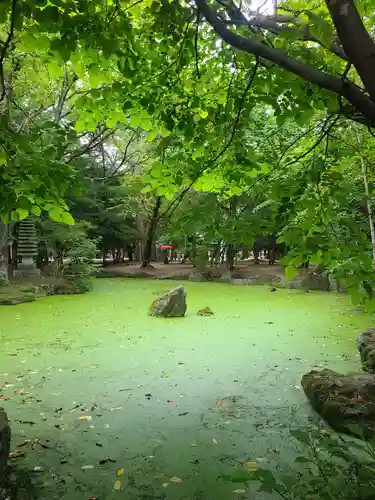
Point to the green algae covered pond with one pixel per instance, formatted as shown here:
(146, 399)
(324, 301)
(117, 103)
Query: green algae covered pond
(107, 403)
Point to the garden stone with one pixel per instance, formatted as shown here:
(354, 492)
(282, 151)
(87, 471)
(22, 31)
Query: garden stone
(366, 348)
(346, 402)
(5, 435)
(171, 304)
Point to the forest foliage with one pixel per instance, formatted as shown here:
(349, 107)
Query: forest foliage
(215, 120)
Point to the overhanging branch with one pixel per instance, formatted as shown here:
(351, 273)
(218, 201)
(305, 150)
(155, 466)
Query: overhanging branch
(354, 94)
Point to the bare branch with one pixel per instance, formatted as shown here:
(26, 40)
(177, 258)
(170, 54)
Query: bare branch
(67, 85)
(278, 24)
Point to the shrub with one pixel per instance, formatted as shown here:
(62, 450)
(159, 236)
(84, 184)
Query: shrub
(77, 272)
(333, 468)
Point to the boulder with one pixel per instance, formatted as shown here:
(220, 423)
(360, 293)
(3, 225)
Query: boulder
(366, 348)
(171, 304)
(5, 435)
(346, 402)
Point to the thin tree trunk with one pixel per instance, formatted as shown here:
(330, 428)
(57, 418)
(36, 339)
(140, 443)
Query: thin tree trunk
(231, 252)
(4, 231)
(230, 256)
(151, 233)
(368, 201)
(369, 208)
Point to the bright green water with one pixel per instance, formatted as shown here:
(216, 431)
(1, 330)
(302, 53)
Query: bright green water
(102, 351)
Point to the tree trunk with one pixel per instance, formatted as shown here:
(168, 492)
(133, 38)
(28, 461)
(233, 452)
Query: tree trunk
(368, 200)
(215, 257)
(369, 209)
(151, 233)
(350, 27)
(4, 231)
(230, 256)
(231, 252)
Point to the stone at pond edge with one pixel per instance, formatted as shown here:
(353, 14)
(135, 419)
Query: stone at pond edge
(171, 304)
(346, 402)
(366, 348)
(206, 311)
(5, 436)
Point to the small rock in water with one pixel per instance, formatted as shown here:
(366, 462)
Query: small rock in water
(206, 311)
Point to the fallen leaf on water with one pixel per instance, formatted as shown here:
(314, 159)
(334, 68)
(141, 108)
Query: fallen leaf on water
(165, 485)
(24, 443)
(117, 485)
(164, 375)
(116, 408)
(239, 491)
(17, 454)
(214, 441)
(44, 444)
(176, 480)
(85, 417)
(224, 404)
(120, 471)
(105, 460)
(85, 467)
(13, 354)
(93, 366)
(29, 422)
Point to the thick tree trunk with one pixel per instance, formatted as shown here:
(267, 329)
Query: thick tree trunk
(151, 233)
(355, 40)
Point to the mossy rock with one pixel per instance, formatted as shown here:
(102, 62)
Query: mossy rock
(172, 304)
(366, 348)
(346, 402)
(206, 311)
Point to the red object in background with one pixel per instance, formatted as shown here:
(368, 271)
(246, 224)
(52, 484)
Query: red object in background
(165, 246)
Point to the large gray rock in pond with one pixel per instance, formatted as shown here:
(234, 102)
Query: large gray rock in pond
(366, 348)
(5, 435)
(172, 304)
(346, 402)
